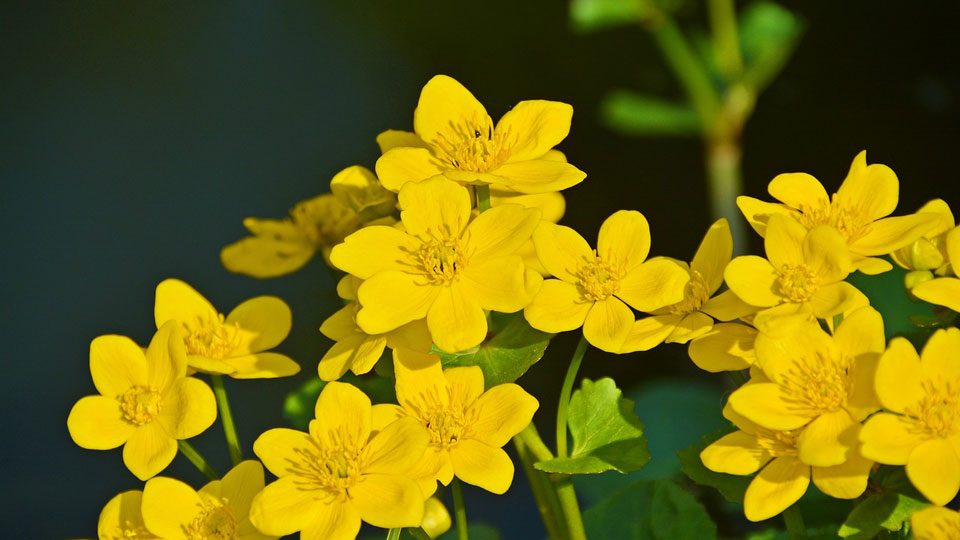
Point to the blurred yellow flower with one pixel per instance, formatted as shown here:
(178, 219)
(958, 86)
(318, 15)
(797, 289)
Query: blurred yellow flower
(444, 266)
(922, 429)
(120, 519)
(858, 211)
(467, 425)
(220, 510)
(146, 402)
(233, 345)
(338, 474)
(935, 523)
(944, 291)
(436, 518)
(454, 136)
(595, 287)
(929, 251)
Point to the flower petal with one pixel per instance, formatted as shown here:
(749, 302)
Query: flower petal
(551, 204)
(391, 247)
(345, 353)
(828, 439)
(266, 256)
(433, 207)
(502, 412)
(608, 324)
(833, 299)
(624, 238)
(714, 254)
(558, 307)
(727, 347)
(168, 506)
(654, 284)
(930, 522)
(175, 300)
(392, 299)
(116, 364)
(826, 254)
(501, 230)
(384, 414)
(189, 408)
(396, 448)
(342, 324)
(456, 319)
(648, 332)
(263, 365)
(561, 250)
(264, 323)
(766, 404)
(888, 438)
(537, 126)
(938, 361)
(934, 469)
(96, 423)
(280, 449)
(799, 190)
(166, 357)
(940, 291)
(539, 175)
(285, 507)
(898, 376)
(727, 306)
(758, 212)
(388, 500)
(691, 326)
(845, 481)
(417, 373)
(870, 266)
(466, 381)
(414, 335)
(149, 450)
(873, 190)
(754, 280)
(735, 453)
(240, 485)
(446, 110)
(498, 284)
(481, 465)
(343, 407)
(892, 233)
(336, 521)
(778, 485)
(784, 241)
(861, 332)
(120, 512)
(395, 138)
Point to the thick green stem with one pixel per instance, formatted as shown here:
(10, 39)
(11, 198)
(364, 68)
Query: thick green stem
(571, 508)
(198, 460)
(725, 185)
(419, 533)
(543, 491)
(726, 42)
(226, 417)
(459, 510)
(688, 69)
(483, 197)
(393, 534)
(565, 392)
(794, 520)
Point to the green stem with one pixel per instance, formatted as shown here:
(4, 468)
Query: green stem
(737, 378)
(565, 392)
(543, 492)
(198, 460)
(794, 521)
(418, 533)
(726, 43)
(725, 185)
(226, 417)
(393, 534)
(531, 439)
(459, 510)
(483, 197)
(571, 509)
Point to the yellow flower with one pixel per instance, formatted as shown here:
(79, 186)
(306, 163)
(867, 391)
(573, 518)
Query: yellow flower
(922, 429)
(444, 266)
(944, 291)
(220, 510)
(355, 349)
(783, 477)
(120, 519)
(804, 270)
(858, 210)
(467, 425)
(233, 345)
(595, 287)
(935, 523)
(339, 474)
(929, 251)
(146, 402)
(436, 518)
(458, 139)
(726, 347)
(820, 382)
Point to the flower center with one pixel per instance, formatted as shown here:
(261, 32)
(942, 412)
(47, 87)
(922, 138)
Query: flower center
(333, 464)
(848, 220)
(140, 404)
(938, 411)
(600, 278)
(442, 257)
(475, 145)
(129, 531)
(694, 295)
(798, 283)
(324, 220)
(211, 337)
(448, 418)
(819, 384)
(778, 443)
(215, 522)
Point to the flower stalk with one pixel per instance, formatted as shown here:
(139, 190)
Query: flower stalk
(198, 460)
(565, 392)
(459, 510)
(226, 417)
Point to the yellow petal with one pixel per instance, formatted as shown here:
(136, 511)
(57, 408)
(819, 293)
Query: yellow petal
(284, 507)
(934, 469)
(782, 352)
(446, 109)
(727, 306)
(735, 453)
(888, 438)
(608, 324)
(467, 381)
(754, 280)
(648, 332)
(558, 307)
(264, 323)
(456, 319)
(396, 448)
(828, 439)
(209, 365)
(758, 212)
(861, 332)
(344, 407)
(624, 238)
(433, 207)
(498, 284)
(799, 190)
(539, 175)
(341, 325)
(166, 357)
(784, 242)
(175, 300)
(714, 253)
(96, 423)
(388, 500)
(727, 347)
(931, 522)
(267, 256)
(898, 376)
(169, 506)
(347, 287)
(941, 291)
(149, 450)
(561, 250)
(384, 414)
(833, 299)
(953, 247)
(436, 518)
(189, 408)
(501, 230)
(862, 398)
(767, 405)
(691, 326)
(826, 254)
(373, 249)
(845, 481)
(481, 465)
(502, 412)
(552, 205)
(391, 299)
(335, 521)
(870, 266)
(263, 365)
(657, 283)
(893, 233)
(240, 485)
(938, 361)
(280, 449)
(119, 513)
(395, 138)
(399, 166)
(435, 466)
(414, 335)
(358, 188)
(116, 364)
(348, 352)
(537, 126)
(873, 190)
(778, 485)
(417, 373)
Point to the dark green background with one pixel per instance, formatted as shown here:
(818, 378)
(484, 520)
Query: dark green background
(136, 136)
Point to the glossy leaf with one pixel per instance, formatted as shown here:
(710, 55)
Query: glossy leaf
(732, 487)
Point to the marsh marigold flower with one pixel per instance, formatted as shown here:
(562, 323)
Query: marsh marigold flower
(929, 252)
(444, 266)
(120, 519)
(596, 288)
(858, 211)
(455, 137)
(233, 345)
(922, 429)
(146, 401)
(340, 472)
(944, 291)
(467, 425)
(935, 523)
(220, 510)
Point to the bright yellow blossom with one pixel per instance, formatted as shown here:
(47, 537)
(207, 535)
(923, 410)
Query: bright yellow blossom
(146, 401)
(120, 519)
(220, 510)
(234, 345)
(444, 266)
(928, 252)
(922, 429)
(355, 349)
(820, 382)
(858, 211)
(804, 270)
(468, 426)
(944, 291)
(935, 523)
(458, 139)
(339, 474)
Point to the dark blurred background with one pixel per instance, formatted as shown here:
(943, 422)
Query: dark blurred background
(137, 136)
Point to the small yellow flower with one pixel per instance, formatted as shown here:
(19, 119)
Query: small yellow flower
(467, 425)
(444, 266)
(120, 519)
(595, 287)
(220, 510)
(436, 518)
(944, 291)
(146, 401)
(340, 472)
(804, 270)
(355, 349)
(935, 523)
(922, 429)
(233, 345)
(783, 477)
(820, 382)
(458, 139)
(928, 252)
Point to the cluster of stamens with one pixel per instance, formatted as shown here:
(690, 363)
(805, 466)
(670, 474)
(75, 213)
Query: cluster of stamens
(938, 411)
(797, 283)
(778, 443)
(442, 256)
(849, 221)
(333, 464)
(211, 337)
(819, 384)
(447, 417)
(599, 278)
(140, 404)
(215, 522)
(475, 146)
(694, 295)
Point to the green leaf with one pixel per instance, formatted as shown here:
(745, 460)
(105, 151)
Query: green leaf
(607, 435)
(732, 487)
(503, 358)
(477, 531)
(591, 15)
(299, 405)
(635, 114)
(769, 33)
(658, 510)
(886, 510)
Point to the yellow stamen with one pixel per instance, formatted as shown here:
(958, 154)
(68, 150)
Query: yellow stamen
(850, 221)
(475, 146)
(937, 414)
(129, 531)
(797, 283)
(599, 279)
(210, 337)
(140, 404)
(332, 463)
(448, 417)
(215, 522)
(443, 256)
(694, 295)
(819, 384)
(778, 443)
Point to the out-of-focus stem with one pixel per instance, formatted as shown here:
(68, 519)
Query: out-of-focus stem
(726, 41)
